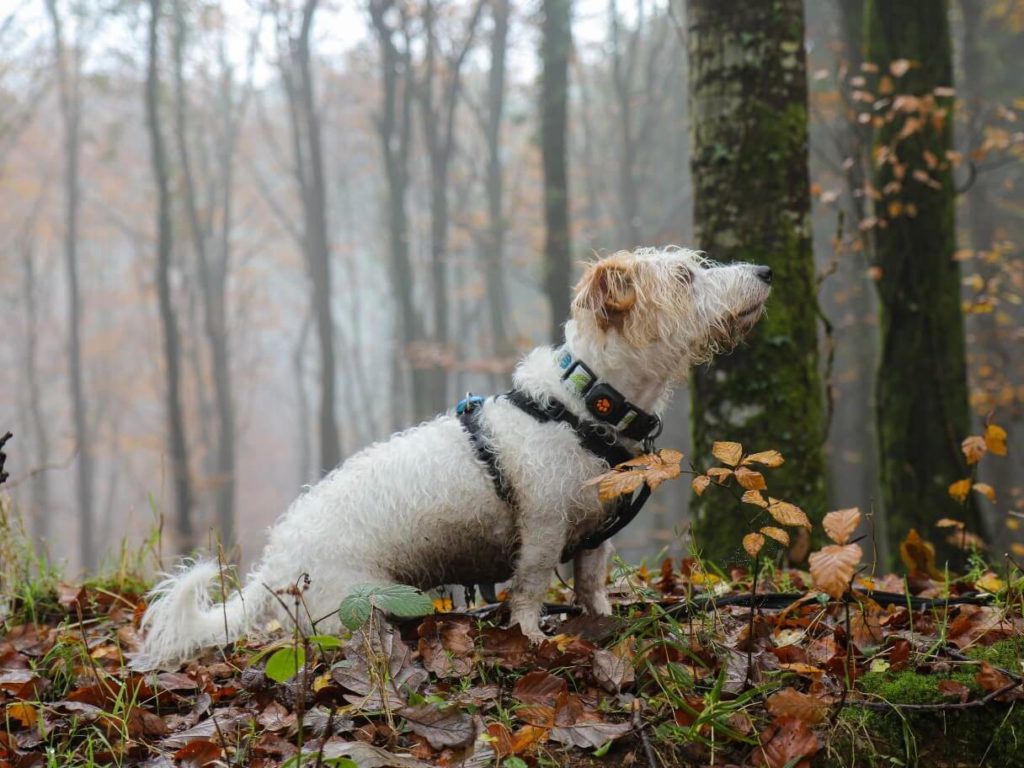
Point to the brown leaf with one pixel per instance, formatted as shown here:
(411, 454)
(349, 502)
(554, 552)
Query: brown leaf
(919, 556)
(789, 702)
(539, 687)
(974, 447)
(777, 534)
(442, 727)
(612, 671)
(841, 524)
(753, 542)
(948, 522)
(526, 737)
(960, 489)
(589, 734)
(700, 484)
(446, 645)
(995, 439)
(198, 754)
(955, 689)
(985, 490)
(719, 474)
(727, 453)
(754, 497)
(749, 479)
(500, 739)
(22, 712)
(832, 567)
(990, 679)
(787, 514)
(616, 483)
(787, 743)
(770, 459)
(899, 67)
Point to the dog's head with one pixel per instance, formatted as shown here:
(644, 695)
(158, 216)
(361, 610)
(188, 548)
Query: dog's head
(673, 303)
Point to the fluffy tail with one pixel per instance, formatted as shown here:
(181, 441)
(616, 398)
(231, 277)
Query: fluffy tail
(181, 620)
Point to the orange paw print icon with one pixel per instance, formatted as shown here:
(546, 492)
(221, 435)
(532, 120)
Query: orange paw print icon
(604, 405)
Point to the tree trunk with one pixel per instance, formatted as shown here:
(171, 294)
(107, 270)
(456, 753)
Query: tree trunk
(69, 88)
(394, 128)
(213, 281)
(921, 386)
(748, 96)
(494, 257)
(556, 45)
(177, 446)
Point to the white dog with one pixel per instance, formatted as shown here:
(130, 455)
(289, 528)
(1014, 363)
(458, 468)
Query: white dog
(500, 494)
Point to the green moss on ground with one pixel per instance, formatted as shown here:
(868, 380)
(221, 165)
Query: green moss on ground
(991, 735)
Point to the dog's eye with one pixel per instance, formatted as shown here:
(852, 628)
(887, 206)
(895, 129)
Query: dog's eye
(683, 274)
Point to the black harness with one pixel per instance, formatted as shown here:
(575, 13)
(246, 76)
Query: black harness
(603, 401)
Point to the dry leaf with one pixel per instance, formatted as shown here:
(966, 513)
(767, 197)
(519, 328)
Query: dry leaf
(789, 702)
(749, 479)
(727, 453)
(753, 542)
(899, 67)
(985, 490)
(995, 439)
(919, 556)
(650, 468)
(841, 524)
(776, 533)
(615, 484)
(700, 484)
(719, 474)
(787, 514)
(832, 567)
(989, 582)
(948, 522)
(755, 498)
(770, 459)
(974, 448)
(960, 489)
(786, 743)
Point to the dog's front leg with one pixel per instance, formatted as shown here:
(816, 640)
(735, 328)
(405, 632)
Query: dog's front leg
(590, 569)
(540, 547)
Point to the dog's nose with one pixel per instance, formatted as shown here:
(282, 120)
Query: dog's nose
(764, 274)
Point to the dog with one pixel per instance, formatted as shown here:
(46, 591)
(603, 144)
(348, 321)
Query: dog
(500, 494)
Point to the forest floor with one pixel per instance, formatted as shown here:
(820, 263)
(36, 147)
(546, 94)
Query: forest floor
(921, 671)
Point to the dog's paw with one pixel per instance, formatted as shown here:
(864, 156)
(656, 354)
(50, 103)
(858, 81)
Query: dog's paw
(597, 605)
(535, 636)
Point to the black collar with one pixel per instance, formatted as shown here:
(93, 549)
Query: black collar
(604, 402)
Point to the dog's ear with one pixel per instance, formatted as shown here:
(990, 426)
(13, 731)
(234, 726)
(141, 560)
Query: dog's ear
(608, 289)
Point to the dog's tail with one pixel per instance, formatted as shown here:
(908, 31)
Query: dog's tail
(181, 619)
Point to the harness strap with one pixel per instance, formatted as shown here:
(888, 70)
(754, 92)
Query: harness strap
(594, 439)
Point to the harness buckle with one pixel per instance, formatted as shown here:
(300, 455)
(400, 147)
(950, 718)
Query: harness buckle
(468, 404)
(648, 442)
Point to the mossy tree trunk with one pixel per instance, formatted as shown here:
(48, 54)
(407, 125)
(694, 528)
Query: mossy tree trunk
(921, 387)
(748, 103)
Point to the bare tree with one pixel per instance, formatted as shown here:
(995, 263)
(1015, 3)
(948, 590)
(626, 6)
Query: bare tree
(394, 128)
(69, 86)
(438, 121)
(297, 77)
(177, 446)
(556, 44)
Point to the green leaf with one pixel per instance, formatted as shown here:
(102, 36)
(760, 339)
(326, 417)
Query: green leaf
(355, 610)
(326, 642)
(341, 762)
(603, 749)
(514, 762)
(402, 600)
(285, 663)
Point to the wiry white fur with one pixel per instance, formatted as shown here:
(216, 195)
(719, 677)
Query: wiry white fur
(419, 508)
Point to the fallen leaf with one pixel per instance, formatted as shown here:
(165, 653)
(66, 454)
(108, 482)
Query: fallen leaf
(612, 671)
(727, 453)
(787, 743)
(539, 687)
(955, 689)
(995, 439)
(198, 754)
(23, 712)
(899, 67)
(787, 514)
(989, 582)
(770, 459)
(749, 479)
(974, 447)
(948, 522)
(589, 735)
(446, 645)
(442, 727)
(832, 567)
(789, 702)
(841, 524)
(919, 556)
(776, 533)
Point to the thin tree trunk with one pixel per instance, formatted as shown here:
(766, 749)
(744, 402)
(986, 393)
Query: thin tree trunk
(213, 278)
(494, 262)
(556, 45)
(69, 87)
(921, 385)
(748, 96)
(177, 446)
(623, 65)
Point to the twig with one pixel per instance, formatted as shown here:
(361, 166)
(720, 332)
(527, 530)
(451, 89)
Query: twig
(638, 729)
(753, 615)
(954, 705)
